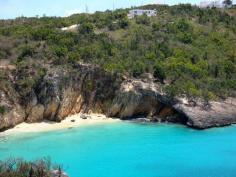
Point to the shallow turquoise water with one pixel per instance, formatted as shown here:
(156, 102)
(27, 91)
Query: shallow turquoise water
(127, 149)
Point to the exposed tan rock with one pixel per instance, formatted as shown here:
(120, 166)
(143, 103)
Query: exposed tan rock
(12, 117)
(67, 103)
(13, 113)
(36, 114)
(51, 111)
(166, 111)
(135, 98)
(89, 89)
(78, 105)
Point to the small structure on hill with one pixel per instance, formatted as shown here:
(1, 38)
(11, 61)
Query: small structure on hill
(211, 4)
(139, 12)
(71, 28)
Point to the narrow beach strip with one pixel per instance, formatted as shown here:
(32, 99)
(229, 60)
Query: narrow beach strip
(70, 122)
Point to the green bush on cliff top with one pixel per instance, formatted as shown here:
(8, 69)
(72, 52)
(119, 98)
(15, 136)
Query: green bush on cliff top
(2, 109)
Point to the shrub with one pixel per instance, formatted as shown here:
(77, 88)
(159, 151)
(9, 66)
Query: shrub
(60, 51)
(40, 34)
(185, 37)
(113, 26)
(159, 72)
(21, 168)
(86, 28)
(26, 51)
(123, 23)
(138, 69)
(156, 27)
(183, 25)
(2, 109)
(143, 19)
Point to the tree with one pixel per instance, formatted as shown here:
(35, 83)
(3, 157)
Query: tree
(159, 72)
(2, 109)
(123, 23)
(86, 28)
(143, 19)
(183, 25)
(26, 51)
(138, 69)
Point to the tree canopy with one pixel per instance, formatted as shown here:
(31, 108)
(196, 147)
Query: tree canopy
(189, 50)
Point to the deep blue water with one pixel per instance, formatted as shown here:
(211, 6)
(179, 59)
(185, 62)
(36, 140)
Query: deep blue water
(127, 149)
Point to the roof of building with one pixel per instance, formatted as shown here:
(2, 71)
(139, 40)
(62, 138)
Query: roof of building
(143, 10)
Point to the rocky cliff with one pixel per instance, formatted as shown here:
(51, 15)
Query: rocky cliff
(62, 92)
(145, 98)
(215, 114)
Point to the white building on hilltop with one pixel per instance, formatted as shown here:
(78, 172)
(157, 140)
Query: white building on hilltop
(71, 28)
(139, 12)
(210, 4)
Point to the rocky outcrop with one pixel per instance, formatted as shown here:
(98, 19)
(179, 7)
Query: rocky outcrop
(61, 92)
(86, 89)
(36, 114)
(12, 112)
(215, 114)
(141, 98)
(138, 98)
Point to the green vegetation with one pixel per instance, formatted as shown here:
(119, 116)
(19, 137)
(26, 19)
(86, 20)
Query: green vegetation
(189, 50)
(2, 109)
(21, 168)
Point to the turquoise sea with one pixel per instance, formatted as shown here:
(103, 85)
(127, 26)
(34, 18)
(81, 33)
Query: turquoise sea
(126, 149)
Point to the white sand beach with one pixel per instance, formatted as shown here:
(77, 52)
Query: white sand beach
(69, 122)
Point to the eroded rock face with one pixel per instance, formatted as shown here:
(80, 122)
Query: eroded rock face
(144, 98)
(216, 114)
(141, 98)
(15, 115)
(61, 92)
(12, 112)
(85, 89)
(36, 114)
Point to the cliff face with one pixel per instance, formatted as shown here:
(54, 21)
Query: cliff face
(137, 98)
(145, 98)
(62, 92)
(12, 112)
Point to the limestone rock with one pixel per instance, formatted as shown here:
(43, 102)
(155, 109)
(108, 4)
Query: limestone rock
(218, 114)
(87, 89)
(139, 98)
(67, 103)
(36, 114)
(13, 113)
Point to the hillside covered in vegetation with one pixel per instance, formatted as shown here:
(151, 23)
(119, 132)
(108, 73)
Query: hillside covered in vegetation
(190, 51)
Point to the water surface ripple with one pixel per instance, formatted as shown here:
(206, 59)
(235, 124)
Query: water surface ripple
(125, 149)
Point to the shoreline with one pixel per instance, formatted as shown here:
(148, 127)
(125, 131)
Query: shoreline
(70, 122)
